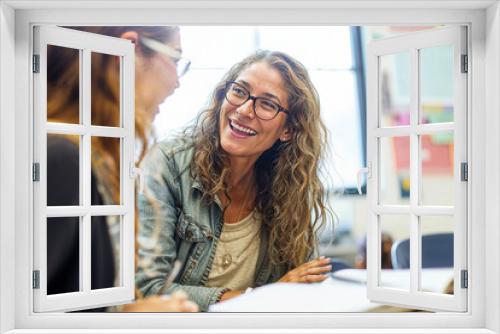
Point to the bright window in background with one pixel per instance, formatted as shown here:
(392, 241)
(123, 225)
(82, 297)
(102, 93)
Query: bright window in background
(327, 53)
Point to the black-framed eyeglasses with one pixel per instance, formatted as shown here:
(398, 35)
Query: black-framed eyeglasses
(264, 108)
(182, 64)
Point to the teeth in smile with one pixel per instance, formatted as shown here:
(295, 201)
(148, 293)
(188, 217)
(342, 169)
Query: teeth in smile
(246, 130)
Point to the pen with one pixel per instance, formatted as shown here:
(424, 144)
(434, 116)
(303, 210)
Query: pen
(171, 277)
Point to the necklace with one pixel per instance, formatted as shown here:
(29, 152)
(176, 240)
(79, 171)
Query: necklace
(228, 253)
(227, 258)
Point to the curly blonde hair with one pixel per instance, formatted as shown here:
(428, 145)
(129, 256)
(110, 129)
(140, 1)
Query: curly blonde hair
(290, 196)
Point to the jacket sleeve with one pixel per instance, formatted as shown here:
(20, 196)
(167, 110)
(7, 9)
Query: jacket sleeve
(158, 214)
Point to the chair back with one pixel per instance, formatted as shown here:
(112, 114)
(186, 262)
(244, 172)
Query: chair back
(437, 252)
(339, 264)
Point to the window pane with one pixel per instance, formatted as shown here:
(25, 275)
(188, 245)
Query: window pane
(215, 47)
(436, 84)
(337, 91)
(63, 170)
(105, 77)
(105, 251)
(63, 85)
(437, 253)
(437, 169)
(395, 233)
(394, 93)
(63, 255)
(394, 169)
(105, 183)
(315, 47)
(192, 96)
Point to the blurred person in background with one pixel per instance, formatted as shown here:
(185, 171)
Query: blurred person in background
(386, 260)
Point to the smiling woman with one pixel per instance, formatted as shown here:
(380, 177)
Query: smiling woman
(232, 198)
(244, 116)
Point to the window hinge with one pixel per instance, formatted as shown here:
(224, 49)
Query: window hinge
(36, 279)
(465, 64)
(464, 171)
(36, 63)
(464, 284)
(36, 172)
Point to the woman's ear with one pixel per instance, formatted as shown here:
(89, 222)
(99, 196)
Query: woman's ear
(131, 35)
(286, 135)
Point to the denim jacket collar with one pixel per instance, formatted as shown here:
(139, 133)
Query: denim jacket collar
(199, 187)
(197, 184)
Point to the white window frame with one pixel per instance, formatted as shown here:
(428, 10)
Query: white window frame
(411, 44)
(86, 44)
(16, 19)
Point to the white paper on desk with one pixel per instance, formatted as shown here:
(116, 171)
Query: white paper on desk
(344, 291)
(329, 296)
(433, 279)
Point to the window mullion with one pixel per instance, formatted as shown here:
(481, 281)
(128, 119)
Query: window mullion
(417, 129)
(77, 129)
(85, 251)
(414, 173)
(127, 72)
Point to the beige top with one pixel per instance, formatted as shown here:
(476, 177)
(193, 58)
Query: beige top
(236, 254)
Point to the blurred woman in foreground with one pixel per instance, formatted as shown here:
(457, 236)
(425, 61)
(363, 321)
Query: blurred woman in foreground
(158, 66)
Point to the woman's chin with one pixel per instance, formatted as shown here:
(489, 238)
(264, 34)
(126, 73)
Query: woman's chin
(232, 148)
(229, 148)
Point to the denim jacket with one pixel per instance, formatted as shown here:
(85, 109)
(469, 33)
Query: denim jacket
(175, 224)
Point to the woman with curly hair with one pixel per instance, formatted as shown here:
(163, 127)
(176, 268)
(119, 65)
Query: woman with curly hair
(237, 199)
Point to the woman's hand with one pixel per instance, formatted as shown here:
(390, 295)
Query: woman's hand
(177, 302)
(309, 272)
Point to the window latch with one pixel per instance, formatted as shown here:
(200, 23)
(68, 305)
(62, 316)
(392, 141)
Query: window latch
(365, 170)
(136, 172)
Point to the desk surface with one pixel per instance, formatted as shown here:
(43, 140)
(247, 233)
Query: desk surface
(343, 291)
